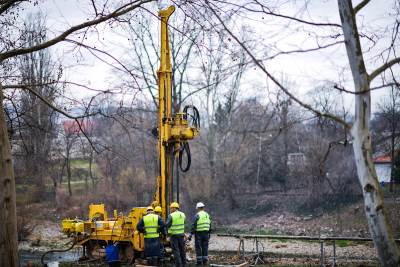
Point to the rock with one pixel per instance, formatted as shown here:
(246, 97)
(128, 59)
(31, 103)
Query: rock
(35, 242)
(300, 231)
(356, 209)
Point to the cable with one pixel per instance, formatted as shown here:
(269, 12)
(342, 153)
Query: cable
(185, 148)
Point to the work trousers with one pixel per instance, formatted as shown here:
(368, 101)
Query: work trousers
(178, 248)
(152, 247)
(201, 240)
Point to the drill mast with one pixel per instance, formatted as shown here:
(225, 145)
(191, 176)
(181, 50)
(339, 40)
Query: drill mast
(173, 129)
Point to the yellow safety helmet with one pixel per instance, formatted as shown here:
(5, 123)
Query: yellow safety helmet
(149, 208)
(158, 209)
(174, 205)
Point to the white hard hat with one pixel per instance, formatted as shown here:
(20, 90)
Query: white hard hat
(200, 205)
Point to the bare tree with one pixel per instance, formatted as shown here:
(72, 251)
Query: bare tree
(38, 118)
(373, 200)
(184, 37)
(10, 47)
(374, 207)
(387, 126)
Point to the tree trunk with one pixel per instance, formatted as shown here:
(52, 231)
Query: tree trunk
(68, 160)
(90, 169)
(8, 210)
(62, 172)
(373, 198)
(393, 136)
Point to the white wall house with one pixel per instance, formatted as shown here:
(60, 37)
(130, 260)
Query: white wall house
(383, 168)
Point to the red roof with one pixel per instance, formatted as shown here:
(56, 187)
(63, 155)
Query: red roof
(72, 126)
(383, 159)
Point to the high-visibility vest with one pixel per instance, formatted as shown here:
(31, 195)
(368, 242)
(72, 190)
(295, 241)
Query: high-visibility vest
(204, 222)
(151, 226)
(178, 223)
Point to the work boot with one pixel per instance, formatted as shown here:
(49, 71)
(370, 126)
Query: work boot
(150, 261)
(161, 261)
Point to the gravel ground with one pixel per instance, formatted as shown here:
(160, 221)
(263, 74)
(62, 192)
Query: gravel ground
(48, 235)
(294, 248)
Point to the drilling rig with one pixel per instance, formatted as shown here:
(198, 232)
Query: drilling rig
(173, 133)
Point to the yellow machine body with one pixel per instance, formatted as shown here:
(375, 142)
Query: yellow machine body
(173, 131)
(97, 211)
(121, 229)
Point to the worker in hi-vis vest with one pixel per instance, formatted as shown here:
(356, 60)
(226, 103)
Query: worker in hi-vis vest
(176, 231)
(201, 229)
(151, 225)
(158, 211)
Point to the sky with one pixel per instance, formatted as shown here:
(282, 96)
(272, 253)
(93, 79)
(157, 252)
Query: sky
(305, 71)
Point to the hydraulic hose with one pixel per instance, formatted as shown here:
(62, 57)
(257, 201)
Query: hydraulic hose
(74, 242)
(195, 116)
(191, 112)
(185, 148)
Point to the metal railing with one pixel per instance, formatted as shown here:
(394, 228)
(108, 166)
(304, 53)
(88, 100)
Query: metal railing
(322, 239)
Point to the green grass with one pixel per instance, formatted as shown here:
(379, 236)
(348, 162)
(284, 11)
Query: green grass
(26, 188)
(80, 163)
(343, 243)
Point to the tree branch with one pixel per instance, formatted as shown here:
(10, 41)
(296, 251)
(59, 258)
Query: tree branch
(59, 110)
(274, 80)
(4, 6)
(344, 90)
(360, 5)
(383, 68)
(116, 13)
(267, 11)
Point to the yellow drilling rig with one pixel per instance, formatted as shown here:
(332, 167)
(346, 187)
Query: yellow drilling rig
(173, 133)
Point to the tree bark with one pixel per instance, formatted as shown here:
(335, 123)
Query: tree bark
(91, 169)
(373, 199)
(8, 210)
(68, 160)
(393, 124)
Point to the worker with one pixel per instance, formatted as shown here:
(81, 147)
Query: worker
(201, 229)
(158, 211)
(176, 231)
(112, 255)
(151, 225)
